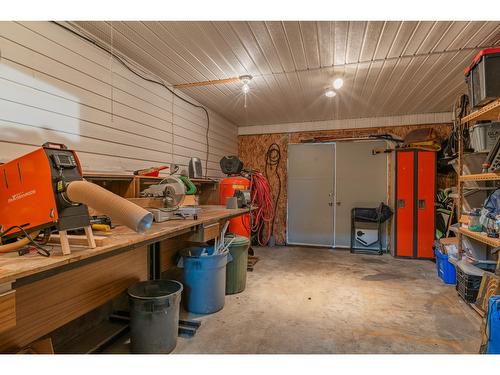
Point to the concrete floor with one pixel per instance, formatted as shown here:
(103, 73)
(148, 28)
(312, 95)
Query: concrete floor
(308, 300)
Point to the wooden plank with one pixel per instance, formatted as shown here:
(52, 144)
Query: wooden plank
(49, 303)
(207, 83)
(480, 237)
(90, 237)
(81, 240)
(63, 238)
(7, 310)
(488, 112)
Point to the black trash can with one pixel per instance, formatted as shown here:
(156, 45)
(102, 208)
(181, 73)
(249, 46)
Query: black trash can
(154, 316)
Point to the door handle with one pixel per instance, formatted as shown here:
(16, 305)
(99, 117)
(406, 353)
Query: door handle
(421, 204)
(401, 203)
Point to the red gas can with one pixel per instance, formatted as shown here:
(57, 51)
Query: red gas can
(239, 225)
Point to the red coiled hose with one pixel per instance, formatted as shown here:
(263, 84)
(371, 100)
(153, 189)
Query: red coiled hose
(262, 198)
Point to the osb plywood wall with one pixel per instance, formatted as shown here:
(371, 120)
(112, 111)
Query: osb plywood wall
(252, 151)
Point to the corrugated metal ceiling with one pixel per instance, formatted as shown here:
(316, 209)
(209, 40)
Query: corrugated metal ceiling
(389, 68)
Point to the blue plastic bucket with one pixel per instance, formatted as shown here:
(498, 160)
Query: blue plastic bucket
(204, 280)
(445, 270)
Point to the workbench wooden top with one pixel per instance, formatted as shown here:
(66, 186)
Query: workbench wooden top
(14, 267)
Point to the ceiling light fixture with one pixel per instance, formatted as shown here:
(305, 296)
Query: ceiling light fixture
(338, 83)
(330, 93)
(246, 87)
(245, 79)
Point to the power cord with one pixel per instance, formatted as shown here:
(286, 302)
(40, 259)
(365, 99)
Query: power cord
(161, 83)
(40, 249)
(273, 158)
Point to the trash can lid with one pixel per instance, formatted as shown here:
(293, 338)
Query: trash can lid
(238, 240)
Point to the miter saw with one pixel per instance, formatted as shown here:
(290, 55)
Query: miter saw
(172, 191)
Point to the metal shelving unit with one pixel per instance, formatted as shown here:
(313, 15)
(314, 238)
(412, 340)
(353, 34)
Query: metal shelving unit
(488, 112)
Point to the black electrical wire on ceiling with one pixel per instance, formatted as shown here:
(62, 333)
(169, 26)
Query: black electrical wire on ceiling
(126, 65)
(273, 158)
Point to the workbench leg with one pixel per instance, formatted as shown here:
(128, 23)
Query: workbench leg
(90, 237)
(154, 261)
(63, 237)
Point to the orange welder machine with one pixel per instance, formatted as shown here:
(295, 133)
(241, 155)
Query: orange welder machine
(31, 187)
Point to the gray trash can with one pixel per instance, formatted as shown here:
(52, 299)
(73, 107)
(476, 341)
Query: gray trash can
(154, 316)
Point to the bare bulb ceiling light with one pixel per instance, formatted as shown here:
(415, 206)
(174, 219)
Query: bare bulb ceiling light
(330, 93)
(245, 79)
(338, 83)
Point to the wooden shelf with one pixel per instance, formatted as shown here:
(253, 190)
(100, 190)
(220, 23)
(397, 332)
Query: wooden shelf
(488, 112)
(480, 237)
(126, 176)
(481, 177)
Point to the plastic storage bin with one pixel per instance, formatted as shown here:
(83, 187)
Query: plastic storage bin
(445, 270)
(236, 271)
(154, 316)
(483, 136)
(483, 77)
(204, 279)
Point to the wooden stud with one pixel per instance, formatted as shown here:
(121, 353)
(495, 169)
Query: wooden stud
(90, 236)
(63, 236)
(207, 83)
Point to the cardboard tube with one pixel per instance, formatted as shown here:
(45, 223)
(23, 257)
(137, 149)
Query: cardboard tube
(118, 208)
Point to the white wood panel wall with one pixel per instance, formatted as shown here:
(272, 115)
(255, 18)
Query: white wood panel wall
(57, 87)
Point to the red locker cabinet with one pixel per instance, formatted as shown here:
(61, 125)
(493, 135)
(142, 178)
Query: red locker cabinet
(415, 208)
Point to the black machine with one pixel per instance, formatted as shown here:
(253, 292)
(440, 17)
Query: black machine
(231, 165)
(243, 198)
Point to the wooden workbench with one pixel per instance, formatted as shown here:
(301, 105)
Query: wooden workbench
(39, 295)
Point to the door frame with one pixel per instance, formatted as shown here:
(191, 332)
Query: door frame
(334, 197)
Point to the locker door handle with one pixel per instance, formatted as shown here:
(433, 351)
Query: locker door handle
(401, 203)
(421, 204)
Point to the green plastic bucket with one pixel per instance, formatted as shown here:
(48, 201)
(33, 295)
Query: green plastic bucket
(236, 270)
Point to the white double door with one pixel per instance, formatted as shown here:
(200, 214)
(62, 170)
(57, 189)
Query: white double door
(325, 181)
